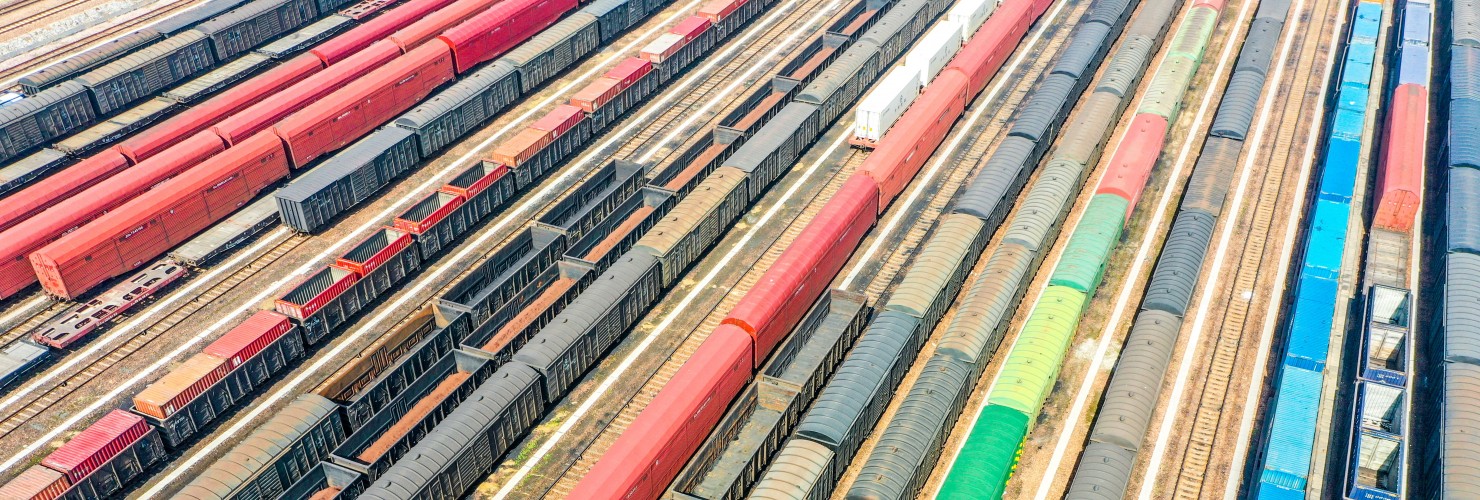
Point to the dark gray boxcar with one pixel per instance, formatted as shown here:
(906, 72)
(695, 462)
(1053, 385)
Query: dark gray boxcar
(397, 427)
(347, 179)
(223, 395)
(581, 334)
(554, 50)
(406, 369)
(274, 455)
(595, 198)
(742, 16)
(255, 23)
(1132, 394)
(521, 316)
(629, 98)
(503, 273)
(327, 482)
(1085, 51)
(64, 69)
(676, 64)
(696, 223)
(803, 470)
(463, 450)
(217, 79)
(40, 118)
(911, 444)
(777, 146)
(465, 105)
(27, 169)
(1049, 103)
(110, 477)
(145, 73)
(307, 37)
(195, 15)
(604, 243)
(615, 16)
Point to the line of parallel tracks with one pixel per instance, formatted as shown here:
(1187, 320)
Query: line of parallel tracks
(1207, 438)
(60, 391)
(59, 51)
(982, 137)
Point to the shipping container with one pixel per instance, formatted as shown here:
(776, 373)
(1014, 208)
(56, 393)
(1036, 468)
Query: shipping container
(108, 454)
(883, 105)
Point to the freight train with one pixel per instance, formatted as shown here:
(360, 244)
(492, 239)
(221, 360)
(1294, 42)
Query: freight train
(1284, 453)
(191, 397)
(101, 81)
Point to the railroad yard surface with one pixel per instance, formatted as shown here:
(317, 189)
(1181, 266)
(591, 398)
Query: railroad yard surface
(719, 249)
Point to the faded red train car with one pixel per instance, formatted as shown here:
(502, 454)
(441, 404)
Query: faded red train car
(1134, 158)
(1400, 176)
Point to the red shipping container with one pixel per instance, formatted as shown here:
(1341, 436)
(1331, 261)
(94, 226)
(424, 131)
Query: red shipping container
(433, 24)
(663, 47)
(37, 197)
(992, 44)
(444, 203)
(97, 444)
(318, 289)
(1400, 179)
(630, 70)
(1130, 166)
(374, 251)
(230, 101)
(560, 120)
(522, 146)
(597, 94)
(1212, 4)
(36, 483)
(350, 112)
(650, 453)
(181, 385)
(906, 147)
(250, 337)
(336, 49)
(718, 10)
(495, 31)
(476, 179)
(146, 227)
(267, 112)
(803, 271)
(43, 228)
(693, 26)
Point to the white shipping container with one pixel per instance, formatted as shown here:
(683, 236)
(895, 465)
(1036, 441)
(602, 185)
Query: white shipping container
(881, 107)
(661, 48)
(934, 50)
(970, 14)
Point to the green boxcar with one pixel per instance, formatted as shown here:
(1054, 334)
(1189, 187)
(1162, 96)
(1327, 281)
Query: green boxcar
(1192, 37)
(1030, 369)
(1164, 93)
(1083, 263)
(989, 457)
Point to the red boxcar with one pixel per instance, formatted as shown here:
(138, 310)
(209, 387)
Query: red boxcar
(347, 114)
(1134, 158)
(446, 204)
(597, 94)
(499, 29)
(803, 271)
(560, 120)
(630, 70)
(656, 446)
(43, 228)
(250, 337)
(206, 114)
(1213, 4)
(718, 10)
(146, 227)
(181, 385)
(431, 25)
(36, 483)
(97, 444)
(374, 251)
(264, 114)
(1400, 182)
(43, 194)
(663, 47)
(992, 44)
(908, 145)
(693, 26)
(341, 46)
(326, 285)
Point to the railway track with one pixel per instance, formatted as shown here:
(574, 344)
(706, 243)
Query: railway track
(741, 276)
(59, 392)
(1201, 457)
(10, 27)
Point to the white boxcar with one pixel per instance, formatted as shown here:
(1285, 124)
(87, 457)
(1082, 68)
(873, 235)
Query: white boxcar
(970, 14)
(934, 50)
(881, 107)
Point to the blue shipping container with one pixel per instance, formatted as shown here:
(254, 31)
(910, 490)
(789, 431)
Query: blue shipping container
(1293, 432)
